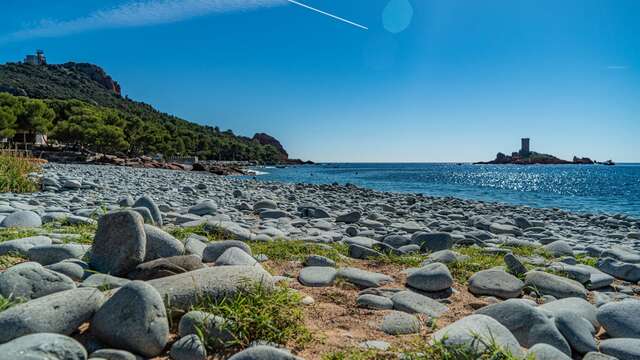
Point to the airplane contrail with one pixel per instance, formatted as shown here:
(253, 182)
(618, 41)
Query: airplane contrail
(330, 15)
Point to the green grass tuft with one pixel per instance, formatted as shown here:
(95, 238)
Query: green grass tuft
(260, 314)
(7, 303)
(13, 174)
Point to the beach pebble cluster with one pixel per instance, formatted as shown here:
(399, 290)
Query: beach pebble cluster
(109, 300)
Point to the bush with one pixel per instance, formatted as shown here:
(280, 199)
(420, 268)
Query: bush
(13, 174)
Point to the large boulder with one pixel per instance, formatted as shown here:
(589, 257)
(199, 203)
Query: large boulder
(148, 203)
(133, 319)
(495, 282)
(161, 244)
(43, 346)
(468, 330)
(182, 291)
(554, 285)
(59, 313)
(528, 324)
(119, 244)
(31, 280)
(621, 319)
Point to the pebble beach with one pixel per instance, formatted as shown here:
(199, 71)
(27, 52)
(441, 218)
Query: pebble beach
(552, 284)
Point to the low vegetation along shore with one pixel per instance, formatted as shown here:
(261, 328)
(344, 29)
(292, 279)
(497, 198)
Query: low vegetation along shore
(113, 262)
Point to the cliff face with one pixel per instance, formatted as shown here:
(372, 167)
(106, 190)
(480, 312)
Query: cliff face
(96, 74)
(266, 139)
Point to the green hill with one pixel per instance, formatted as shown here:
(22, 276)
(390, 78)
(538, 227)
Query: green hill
(85, 99)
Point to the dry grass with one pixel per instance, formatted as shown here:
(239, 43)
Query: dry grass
(13, 174)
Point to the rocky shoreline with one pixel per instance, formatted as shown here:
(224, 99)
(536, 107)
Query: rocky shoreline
(373, 271)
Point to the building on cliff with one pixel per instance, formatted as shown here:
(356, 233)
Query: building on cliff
(37, 59)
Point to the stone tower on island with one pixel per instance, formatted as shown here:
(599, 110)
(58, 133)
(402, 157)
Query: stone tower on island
(524, 148)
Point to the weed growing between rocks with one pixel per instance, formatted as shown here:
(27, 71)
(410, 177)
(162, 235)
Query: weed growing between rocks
(84, 232)
(182, 233)
(6, 303)
(7, 234)
(260, 314)
(294, 250)
(419, 350)
(14, 174)
(9, 260)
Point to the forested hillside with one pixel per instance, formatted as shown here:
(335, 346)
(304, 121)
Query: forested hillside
(80, 104)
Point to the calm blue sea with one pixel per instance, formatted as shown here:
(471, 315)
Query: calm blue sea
(583, 188)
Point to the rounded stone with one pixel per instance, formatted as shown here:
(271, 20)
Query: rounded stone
(119, 244)
(50, 254)
(215, 328)
(264, 352)
(213, 250)
(621, 319)
(370, 301)
(317, 276)
(43, 346)
(432, 277)
(22, 219)
(31, 280)
(133, 319)
(161, 244)
(544, 351)
(621, 348)
(577, 330)
(400, 323)
(189, 347)
(465, 331)
(554, 285)
(148, 202)
(61, 313)
(207, 207)
(494, 282)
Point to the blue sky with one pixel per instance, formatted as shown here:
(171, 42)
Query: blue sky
(438, 80)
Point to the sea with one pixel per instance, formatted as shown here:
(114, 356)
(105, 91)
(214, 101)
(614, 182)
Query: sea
(578, 188)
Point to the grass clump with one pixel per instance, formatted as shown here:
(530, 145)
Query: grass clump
(296, 250)
(6, 303)
(13, 174)
(7, 234)
(260, 314)
(86, 232)
(478, 260)
(587, 260)
(9, 260)
(478, 350)
(182, 233)
(358, 354)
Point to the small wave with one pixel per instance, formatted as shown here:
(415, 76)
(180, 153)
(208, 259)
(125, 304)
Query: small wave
(257, 173)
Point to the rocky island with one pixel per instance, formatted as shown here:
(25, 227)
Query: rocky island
(527, 157)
